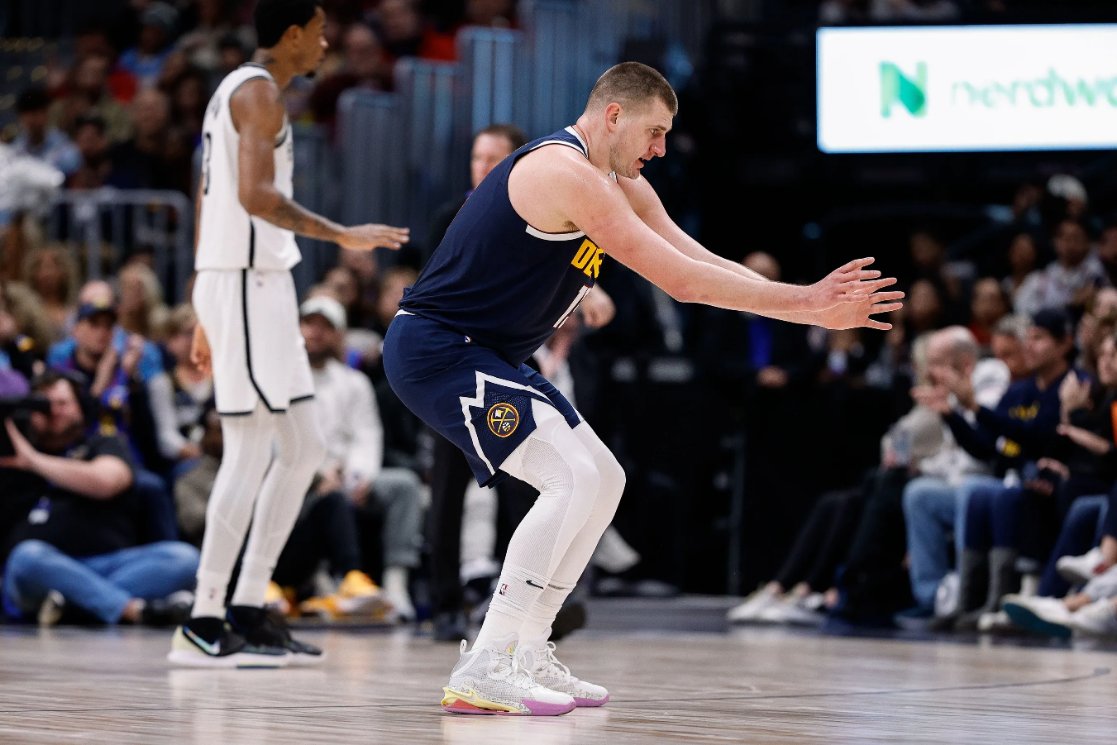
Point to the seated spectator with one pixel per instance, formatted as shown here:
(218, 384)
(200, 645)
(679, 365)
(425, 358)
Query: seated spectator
(37, 139)
(119, 366)
(145, 60)
(988, 305)
(355, 443)
(1069, 281)
(209, 31)
(193, 388)
(1020, 429)
(364, 65)
(88, 96)
(81, 545)
(404, 33)
(1096, 323)
(141, 309)
(52, 273)
(931, 497)
(150, 159)
(1007, 345)
(91, 136)
(1023, 257)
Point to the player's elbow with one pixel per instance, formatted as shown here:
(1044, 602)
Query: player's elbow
(681, 289)
(256, 201)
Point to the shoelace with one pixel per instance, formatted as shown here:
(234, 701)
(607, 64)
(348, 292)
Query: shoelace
(551, 661)
(515, 676)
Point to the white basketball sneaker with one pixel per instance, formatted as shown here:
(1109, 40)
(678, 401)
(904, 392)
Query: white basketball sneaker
(549, 672)
(491, 681)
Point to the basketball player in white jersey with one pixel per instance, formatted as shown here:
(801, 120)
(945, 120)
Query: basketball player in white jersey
(248, 333)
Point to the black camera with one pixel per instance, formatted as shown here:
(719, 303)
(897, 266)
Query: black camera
(18, 409)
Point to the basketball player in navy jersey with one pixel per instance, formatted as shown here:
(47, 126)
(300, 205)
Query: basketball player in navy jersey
(248, 333)
(518, 258)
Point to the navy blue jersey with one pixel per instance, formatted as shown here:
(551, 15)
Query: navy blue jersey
(498, 280)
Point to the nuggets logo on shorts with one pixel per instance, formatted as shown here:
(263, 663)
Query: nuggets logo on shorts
(503, 419)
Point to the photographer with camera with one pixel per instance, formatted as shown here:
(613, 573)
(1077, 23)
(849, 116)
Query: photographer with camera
(80, 542)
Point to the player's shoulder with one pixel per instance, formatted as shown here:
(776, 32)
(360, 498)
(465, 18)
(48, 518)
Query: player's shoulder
(259, 90)
(558, 164)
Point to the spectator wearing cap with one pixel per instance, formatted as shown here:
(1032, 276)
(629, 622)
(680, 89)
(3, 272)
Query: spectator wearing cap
(1069, 281)
(40, 140)
(127, 378)
(157, 30)
(1014, 434)
(350, 421)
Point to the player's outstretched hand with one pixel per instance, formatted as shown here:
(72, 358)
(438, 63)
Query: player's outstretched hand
(859, 312)
(849, 283)
(368, 237)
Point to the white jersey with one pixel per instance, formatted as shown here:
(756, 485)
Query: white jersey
(230, 238)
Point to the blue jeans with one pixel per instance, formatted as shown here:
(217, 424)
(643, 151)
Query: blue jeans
(101, 585)
(1082, 529)
(933, 510)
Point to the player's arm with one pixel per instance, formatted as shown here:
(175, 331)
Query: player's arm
(647, 205)
(593, 202)
(258, 112)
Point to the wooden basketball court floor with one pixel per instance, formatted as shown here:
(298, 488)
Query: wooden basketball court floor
(713, 685)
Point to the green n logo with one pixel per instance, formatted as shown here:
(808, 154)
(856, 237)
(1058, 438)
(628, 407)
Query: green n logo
(896, 87)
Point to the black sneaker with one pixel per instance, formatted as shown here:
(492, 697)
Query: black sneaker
(209, 642)
(263, 628)
(169, 611)
(449, 627)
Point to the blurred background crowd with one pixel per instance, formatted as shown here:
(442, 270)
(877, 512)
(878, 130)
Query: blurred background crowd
(859, 475)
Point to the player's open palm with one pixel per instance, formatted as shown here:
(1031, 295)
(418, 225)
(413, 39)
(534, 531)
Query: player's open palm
(368, 237)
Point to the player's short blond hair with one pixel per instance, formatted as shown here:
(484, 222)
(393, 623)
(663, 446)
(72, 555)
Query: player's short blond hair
(632, 84)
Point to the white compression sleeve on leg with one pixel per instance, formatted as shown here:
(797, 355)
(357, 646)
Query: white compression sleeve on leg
(247, 452)
(537, 626)
(554, 461)
(300, 451)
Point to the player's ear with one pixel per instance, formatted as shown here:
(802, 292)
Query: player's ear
(613, 113)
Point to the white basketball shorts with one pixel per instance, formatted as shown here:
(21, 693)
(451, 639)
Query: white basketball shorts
(251, 319)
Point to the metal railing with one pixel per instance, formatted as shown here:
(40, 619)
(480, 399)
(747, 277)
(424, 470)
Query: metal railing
(106, 226)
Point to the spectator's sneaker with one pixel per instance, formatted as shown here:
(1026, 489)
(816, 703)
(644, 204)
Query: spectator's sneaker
(1079, 569)
(195, 645)
(359, 595)
(1096, 619)
(449, 627)
(570, 617)
(490, 681)
(277, 599)
(172, 610)
(993, 622)
(1046, 616)
(268, 629)
(792, 611)
(749, 611)
(549, 672)
(51, 609)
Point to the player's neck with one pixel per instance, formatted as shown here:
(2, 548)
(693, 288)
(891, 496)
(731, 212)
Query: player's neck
(597, 153)
(281, 71)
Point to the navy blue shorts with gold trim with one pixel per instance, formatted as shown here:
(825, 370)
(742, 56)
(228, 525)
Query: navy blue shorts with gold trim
(467, 392)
